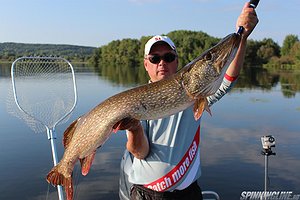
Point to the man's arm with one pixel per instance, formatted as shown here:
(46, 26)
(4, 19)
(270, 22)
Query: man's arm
(248, 19)
(137, 142)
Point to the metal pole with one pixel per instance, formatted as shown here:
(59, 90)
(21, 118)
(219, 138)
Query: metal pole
(266, 174)
(267, 142)
(52, 136)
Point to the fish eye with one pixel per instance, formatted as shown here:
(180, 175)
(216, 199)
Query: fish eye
(208, 56)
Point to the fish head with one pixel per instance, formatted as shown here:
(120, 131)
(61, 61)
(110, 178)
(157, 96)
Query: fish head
(203, 76)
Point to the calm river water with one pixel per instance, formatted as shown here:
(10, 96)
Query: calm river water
(260, 104)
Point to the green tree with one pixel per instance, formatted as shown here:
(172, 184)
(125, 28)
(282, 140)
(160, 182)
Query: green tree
(119, 60)
(251, 57)
(268, 49)
(288, 42)
(190, 44)
(94, 60)
(295, 52)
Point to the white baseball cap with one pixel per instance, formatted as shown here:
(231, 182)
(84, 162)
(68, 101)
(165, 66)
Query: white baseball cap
(158, 38)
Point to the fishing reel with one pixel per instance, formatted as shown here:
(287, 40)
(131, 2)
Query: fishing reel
(267, 143)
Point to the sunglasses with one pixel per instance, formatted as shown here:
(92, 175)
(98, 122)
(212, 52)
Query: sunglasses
(168, 57)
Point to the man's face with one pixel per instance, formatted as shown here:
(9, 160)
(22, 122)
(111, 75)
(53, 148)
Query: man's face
(163, 68)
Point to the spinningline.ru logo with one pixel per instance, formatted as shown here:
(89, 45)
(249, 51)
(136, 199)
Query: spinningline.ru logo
(269, 195)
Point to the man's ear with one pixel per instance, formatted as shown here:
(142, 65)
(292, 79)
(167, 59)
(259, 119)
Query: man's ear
(146, 64)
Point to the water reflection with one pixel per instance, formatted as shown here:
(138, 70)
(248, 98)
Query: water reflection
(231, 143)
(266, 80)
(262, 102)
(251, 77)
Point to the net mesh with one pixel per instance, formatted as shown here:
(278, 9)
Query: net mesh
(44, 91)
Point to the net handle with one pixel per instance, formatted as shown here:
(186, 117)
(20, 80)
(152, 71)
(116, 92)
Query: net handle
(50, 131)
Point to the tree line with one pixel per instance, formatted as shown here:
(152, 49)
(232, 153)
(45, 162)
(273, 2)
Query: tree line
(9, 51)
(127, 54)
(123, 57)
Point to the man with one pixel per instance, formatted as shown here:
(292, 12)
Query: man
(162, 160)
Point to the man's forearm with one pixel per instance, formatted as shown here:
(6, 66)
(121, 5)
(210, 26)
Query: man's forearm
(237, 63)
(137, 143)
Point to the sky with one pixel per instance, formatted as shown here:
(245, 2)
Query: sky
(98, 22)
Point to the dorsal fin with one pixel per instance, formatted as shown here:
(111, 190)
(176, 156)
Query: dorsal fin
(68, 134)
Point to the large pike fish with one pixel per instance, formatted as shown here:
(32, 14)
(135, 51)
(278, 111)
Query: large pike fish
(191, 85)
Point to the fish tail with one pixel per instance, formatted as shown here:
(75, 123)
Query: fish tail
(56, 178)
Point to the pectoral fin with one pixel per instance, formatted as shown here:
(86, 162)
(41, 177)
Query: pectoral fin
(200, 105)
(86, 163)
(117, 126)
(124, 124)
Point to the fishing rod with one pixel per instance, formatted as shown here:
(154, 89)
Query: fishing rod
(253, 4)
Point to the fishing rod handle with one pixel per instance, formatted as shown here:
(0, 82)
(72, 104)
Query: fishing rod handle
(253, 4)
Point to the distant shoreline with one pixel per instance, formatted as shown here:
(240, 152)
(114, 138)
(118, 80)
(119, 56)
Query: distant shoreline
(5, 62)
(11, 61)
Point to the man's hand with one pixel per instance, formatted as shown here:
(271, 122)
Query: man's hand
(137, 143)
(247, 19)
